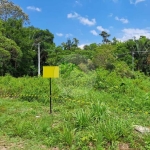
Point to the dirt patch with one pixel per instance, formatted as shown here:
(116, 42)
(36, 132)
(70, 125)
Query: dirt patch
(124, 146)
(8, 144)
(4, 145)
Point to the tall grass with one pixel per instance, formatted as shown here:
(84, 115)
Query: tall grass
(94, 110)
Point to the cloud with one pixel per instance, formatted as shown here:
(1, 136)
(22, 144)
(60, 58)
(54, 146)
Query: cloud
(136, 1)
(129, 33)
(86, 21)
(75, 15)
(110, 15)
(78, 3)
(64, 35)
(82, 45)
(34, 8)
(83, 20)
(94, 32)
(68, 35)
(59, 34)
(125, 21)
(100, 28)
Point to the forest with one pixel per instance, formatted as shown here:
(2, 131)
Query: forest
(19, 48)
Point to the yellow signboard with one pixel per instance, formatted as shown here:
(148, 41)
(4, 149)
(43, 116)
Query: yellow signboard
(50, 72)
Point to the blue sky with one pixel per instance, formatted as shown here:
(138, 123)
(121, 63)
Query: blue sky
(85, 19)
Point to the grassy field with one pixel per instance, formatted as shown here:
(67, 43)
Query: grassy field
(93, 111)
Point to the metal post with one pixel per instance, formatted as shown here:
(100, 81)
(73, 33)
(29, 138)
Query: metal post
(50, 95)
(39, 59)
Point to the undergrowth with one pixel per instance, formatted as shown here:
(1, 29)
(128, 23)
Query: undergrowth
(96, 110)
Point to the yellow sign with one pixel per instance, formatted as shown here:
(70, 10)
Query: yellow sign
(50, 72)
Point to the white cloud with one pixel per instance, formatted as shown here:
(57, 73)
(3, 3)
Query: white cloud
(78, 3)
(83, 20)
(129, 33)
(82, 45)
(123, 20)
(100, 28)
(136, 1)
(94, 32)
(86, 21)
(75, 15)
(64, 35)
(34, 8)
(59, 34)
(68, 35)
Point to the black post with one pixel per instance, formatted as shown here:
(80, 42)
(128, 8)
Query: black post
(50, 96)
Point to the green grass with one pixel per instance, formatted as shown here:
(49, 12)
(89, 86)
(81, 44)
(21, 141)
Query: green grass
(85, 114)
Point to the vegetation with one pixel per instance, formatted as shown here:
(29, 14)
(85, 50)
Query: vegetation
(102, 92)
(94, 110)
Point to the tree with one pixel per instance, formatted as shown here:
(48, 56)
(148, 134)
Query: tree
(23, 37)
(43, 39)
(64, 45)
(114, 41)
(135, 52)
(105, 36)
(141, 53)
(75, 42)
(68, 44)
(10, 55)
(9, 10)
(103, 56)
(71, 45)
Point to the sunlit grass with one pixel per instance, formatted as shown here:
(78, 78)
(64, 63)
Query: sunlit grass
(84, 117)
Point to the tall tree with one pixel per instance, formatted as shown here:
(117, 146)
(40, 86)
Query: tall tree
(114, 41)
(10, 55)
(23, 37)
(9, 10)
(105, 36)
(45, 39)
(69, 44)
(75, 42)
(64, 45)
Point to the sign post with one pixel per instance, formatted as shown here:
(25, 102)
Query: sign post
(50, 72)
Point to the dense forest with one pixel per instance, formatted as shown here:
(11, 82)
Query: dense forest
(19, 43)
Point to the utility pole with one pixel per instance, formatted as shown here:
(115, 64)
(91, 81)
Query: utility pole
(39, 53)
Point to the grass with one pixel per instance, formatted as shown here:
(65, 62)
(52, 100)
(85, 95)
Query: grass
(84, 117)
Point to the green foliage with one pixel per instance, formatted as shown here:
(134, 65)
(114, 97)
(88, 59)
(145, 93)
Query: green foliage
(96, 101)
(67, 135)
(105, 36)
(26, 39)
(123, 70)
(83, 117)
(98, 111)
(38, 90)
(9, 10)
(66, 69)
(10, 55)
(103, 56)
(75, 59)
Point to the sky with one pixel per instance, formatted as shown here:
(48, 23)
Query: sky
(86, 19)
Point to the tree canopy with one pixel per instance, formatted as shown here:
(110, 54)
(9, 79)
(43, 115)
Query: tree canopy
(9, 10)
(19, 56)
